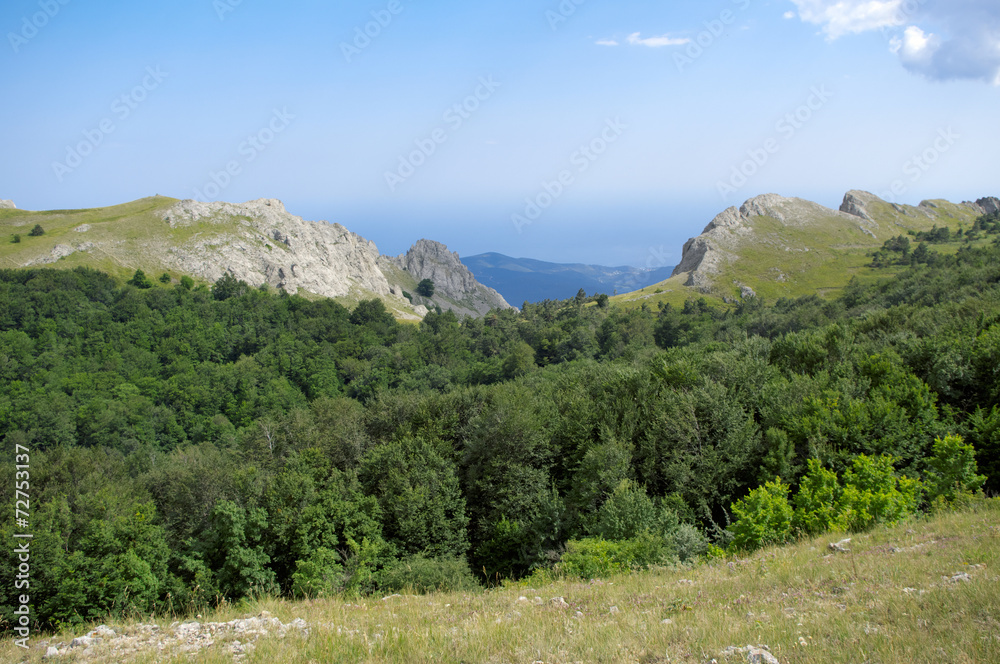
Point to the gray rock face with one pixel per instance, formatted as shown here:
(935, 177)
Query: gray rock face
(704, 256)
(8, 205)
(988, 205)
(455, 288)
(278, 248)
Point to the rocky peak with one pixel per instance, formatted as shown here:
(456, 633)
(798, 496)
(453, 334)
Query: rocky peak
(7, 205)
(455, 287)
(856, 203)
(988, 205)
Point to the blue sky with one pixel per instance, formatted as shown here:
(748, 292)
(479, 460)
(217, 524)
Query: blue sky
(573, 131)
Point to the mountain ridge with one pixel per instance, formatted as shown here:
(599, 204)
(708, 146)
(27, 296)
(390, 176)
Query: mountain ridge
(788, 247)
(258, 241)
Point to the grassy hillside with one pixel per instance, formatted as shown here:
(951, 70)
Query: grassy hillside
(124, 238)
(130, 224)
(812, 254)
(925, 591)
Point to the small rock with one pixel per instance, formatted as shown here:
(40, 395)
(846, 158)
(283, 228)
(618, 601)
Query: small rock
(560, 602)
(958, 578)
(614, 609)
(391, 596)
(841, 546)
(52, 651)
(579, 614)
(81, 642)
(667, 621)
(538, 601)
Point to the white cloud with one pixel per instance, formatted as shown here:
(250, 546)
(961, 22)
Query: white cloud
(942, 40)
(789, 14)
(842, 17)
(657, 42)
(607, 42)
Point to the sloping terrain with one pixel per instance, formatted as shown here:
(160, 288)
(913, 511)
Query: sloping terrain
(259, 242)
(924, 591)
(786, 247)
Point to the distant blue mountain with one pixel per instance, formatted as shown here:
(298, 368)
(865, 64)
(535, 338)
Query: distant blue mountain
(522, 280)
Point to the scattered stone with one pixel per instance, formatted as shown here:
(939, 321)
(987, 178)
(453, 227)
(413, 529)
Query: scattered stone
(667, 621)
(81, 642)
(83, 228)
(391, 596)
(51, 651)
(614, 609)
(958, 578)
(538, 601)
(841, 546)
(754, 654)
(579, 614)
(559, 602)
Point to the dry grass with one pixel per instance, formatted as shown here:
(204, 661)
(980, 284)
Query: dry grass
(890, 600)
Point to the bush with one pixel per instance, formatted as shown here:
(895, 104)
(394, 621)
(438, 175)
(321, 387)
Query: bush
(873, 494)
(140, 280)
(425, 288)
(764, 517)
(321, 575)
(164, 278)
(16, 239)
(952, 470)
(817, 504)
(420, 574)
(688, 542)
(37, 231)
(596, 557)
(187, 282)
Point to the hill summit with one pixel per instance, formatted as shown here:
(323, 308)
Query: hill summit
(782, 246)
(259, 242)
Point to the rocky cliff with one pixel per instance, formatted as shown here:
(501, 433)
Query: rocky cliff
(259, 242)
(455, 287)
(9, 205)
(771, 238)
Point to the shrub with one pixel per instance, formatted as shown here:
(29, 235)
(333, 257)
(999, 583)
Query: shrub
(628, 512)
(596, 557)
(16, 239)
(817, 507)
(321, 575)
(763, 517)
(164, 278)
(952, 470)
(420, 574)
(425, 288)
(140, 280)
(37, 231)
(187, 282)
(873, 494)
(688, 542)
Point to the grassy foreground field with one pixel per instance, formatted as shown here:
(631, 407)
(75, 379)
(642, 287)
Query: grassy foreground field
(924, 591)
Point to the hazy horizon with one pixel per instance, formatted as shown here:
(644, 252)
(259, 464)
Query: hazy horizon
(572, 131)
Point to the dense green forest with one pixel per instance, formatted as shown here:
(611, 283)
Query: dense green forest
(193, 445)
